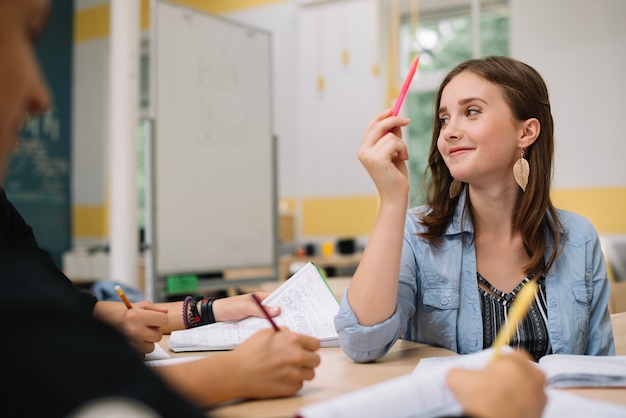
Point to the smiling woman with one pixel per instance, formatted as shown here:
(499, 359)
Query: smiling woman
(445, 273)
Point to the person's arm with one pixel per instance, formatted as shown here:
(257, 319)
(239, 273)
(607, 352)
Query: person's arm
(269, 364)
(374, 287)
(231, 308)
(511, 385)
(146, 322)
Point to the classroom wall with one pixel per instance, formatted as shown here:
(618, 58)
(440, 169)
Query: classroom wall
(577, 46)
(580, 49)
(320, 127)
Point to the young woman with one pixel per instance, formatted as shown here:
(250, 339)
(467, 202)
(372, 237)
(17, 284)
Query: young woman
(445, 273)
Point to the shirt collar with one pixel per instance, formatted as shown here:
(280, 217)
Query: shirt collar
(458, 224)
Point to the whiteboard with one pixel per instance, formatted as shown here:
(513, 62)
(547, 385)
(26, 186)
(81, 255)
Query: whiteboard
(213, 151)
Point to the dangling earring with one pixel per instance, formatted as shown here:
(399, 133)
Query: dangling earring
(521, 171)
(455, 188)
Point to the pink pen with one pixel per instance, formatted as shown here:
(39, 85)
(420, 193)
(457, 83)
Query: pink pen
(267, 315)
(405, 87)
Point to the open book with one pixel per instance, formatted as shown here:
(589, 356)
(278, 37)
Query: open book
(563, 370)
(424, 394)
(307, 306)
(571, 370)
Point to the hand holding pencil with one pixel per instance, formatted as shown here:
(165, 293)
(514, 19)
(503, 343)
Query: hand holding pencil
(143, 326)
(512, 384)
(282, 360)
(265, 312)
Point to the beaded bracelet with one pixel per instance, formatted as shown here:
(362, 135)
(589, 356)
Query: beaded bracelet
(194, 316)
(185, 315)
(207, 311)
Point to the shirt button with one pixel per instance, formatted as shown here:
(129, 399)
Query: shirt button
(557, 336)
(553, 302)
(444, 301)
(551, 272)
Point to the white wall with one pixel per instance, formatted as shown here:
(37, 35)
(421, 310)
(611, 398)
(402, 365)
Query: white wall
(320, 131)
(580, 49)
(332, 120)
(90, 121)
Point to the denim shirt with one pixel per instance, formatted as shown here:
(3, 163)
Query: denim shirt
(438, 301)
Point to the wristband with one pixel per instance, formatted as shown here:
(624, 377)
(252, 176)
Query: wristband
(207, 311)
(194, 316)
(185, 314)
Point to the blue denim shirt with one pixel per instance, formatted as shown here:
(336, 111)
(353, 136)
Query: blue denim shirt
(438, 301)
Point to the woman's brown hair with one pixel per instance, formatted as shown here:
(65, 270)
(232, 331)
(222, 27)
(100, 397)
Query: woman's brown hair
(527, 95)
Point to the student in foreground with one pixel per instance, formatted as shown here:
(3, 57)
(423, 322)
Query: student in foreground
(56, 357)
(446, 272)
(144, 324)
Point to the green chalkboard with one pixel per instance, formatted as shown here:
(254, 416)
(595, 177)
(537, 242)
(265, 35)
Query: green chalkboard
(38, 181)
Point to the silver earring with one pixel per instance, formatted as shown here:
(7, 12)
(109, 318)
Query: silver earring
(521, 171)
(455, 188)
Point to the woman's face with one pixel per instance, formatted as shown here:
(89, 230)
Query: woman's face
(479, 138)
(23, 91)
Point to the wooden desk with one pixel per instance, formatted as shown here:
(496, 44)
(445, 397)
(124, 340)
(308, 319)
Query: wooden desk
(338, 374)
(618, 323)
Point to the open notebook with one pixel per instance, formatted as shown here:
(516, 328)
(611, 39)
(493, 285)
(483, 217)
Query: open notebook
(423, 393)
(571, 370)
(561, 370)
(307, 306)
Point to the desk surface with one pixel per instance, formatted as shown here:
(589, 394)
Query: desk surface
(337, 374)
(618, 323)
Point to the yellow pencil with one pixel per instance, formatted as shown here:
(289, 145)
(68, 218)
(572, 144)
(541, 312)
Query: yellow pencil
(518, 311)
(120, 292)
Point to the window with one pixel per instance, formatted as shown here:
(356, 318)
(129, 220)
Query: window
(443, 38)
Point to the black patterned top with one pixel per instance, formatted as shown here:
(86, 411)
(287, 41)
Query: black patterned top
(532, 333)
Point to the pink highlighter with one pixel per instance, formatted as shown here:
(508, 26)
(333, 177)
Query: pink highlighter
(405, 87)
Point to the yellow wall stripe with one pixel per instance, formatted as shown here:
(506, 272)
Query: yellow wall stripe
(226, 6)
(145, 14)
(339, 216)
(354, 215)
(604, 207)
(90, 221)
(91, 23)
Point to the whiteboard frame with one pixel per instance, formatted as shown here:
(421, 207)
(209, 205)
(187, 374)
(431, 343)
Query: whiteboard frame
(156, 276)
